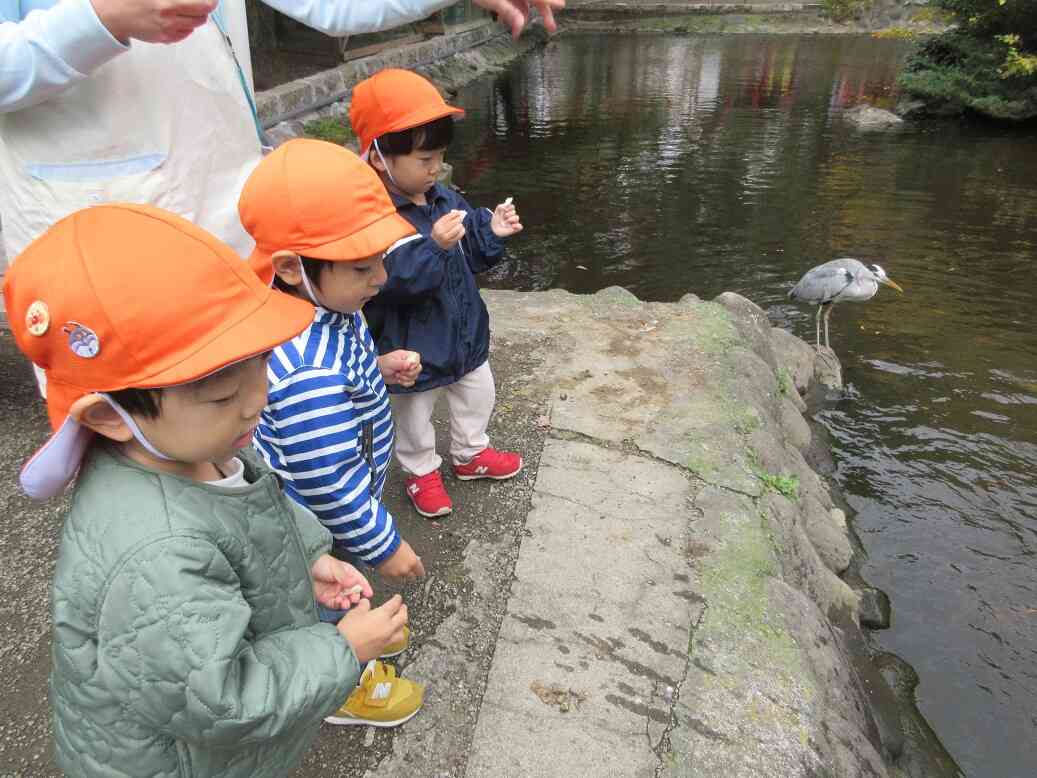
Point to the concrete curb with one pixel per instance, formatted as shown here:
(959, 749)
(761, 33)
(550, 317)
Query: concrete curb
(274, 104)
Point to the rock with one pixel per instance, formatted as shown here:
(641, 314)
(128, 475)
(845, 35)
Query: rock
(285, 131)
(828, 372)
(829, 540)
(868, 117)
(838, 517)
(911, 109)
(796, 356)
(752, 324)
(797, 431)
(874, 609)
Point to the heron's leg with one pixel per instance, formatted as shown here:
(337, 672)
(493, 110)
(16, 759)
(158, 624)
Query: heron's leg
(817, 321)
(828, 312)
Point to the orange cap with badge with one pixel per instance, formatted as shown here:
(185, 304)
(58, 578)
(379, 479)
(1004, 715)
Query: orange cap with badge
(318, 200)
(129, 296)
(393, 100)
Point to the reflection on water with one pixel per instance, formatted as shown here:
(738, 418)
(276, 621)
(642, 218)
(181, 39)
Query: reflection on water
(702, 164)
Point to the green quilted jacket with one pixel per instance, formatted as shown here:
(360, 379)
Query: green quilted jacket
(186, 639)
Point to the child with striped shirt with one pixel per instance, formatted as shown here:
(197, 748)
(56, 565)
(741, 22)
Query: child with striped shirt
(322, 222)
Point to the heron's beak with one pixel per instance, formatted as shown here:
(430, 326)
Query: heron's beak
(891, 282)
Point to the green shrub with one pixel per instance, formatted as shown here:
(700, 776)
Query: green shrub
(987, 63)
(957, 71)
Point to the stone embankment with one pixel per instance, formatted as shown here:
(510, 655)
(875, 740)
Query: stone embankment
(678, 588)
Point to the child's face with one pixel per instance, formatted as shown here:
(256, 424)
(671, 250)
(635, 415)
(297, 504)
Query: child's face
(210, 420)
(415, 173)
(346, 286)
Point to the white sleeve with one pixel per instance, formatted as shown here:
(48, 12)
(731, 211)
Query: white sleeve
(352, 17)
(49, 51)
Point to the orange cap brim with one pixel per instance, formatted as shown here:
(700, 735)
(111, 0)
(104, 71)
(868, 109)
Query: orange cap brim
(373, 239)
(278, 318)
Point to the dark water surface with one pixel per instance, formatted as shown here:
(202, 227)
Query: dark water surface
(703, 164)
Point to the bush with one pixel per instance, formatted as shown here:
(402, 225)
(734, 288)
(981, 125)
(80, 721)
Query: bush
(986, 64)
(955, 72)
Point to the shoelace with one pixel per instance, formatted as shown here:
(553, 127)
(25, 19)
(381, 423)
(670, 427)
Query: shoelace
(431, 483)
(490, 457)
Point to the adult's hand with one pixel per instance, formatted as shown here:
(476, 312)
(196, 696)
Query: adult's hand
(153, 21)
(515, 13)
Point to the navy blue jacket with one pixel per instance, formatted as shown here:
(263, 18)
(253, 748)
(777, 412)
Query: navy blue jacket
(430, 302)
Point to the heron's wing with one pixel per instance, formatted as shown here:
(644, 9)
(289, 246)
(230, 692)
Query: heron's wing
(822, 284)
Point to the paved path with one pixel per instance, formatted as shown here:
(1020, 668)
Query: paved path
(638, 602)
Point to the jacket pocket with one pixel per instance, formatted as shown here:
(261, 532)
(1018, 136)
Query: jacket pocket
(96, 172)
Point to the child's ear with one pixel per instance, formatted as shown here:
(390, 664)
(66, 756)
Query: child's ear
(288, 267)
(94, 413)
(376, 161)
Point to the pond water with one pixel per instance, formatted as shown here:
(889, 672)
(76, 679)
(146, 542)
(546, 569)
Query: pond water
(670, 164)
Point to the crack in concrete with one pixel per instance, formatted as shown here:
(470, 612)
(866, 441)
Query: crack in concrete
(570, 500)
(663, 749)
(627, 446)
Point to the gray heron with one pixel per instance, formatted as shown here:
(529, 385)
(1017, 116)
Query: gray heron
(839, 281)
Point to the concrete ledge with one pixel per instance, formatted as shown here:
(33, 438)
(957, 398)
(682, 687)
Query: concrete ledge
(305, 92)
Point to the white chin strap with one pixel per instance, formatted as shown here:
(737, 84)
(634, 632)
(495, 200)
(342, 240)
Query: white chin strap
(307, 286)
(388, 170)
(137, 434)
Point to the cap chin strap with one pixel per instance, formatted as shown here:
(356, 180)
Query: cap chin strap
(388, 171)
(307, 286)
(137, 434)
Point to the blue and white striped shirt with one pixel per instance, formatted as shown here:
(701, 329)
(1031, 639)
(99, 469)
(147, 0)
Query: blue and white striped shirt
(327, 430)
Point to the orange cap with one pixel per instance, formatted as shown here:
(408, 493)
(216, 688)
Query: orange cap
(318, 200)
(129, 296)
(393, 100)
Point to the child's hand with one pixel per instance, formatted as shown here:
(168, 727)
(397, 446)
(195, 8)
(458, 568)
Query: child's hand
(449, 229)
(400, 367)
(403, 565)
(505, 221)
(337, 584)
(369, 630)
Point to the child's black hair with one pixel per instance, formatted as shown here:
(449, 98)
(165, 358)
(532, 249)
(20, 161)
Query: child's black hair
(142, 402)
(435, 135)
(313, 267)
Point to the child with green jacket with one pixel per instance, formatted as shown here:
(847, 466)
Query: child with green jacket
(186, 638)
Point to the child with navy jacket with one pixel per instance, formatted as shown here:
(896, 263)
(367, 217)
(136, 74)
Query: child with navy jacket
(430, 302)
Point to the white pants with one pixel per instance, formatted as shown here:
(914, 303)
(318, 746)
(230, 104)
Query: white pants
(470, 403)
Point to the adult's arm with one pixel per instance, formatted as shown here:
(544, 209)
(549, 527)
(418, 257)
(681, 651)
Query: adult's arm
(50, 50)
(347, 17)
(353, 17)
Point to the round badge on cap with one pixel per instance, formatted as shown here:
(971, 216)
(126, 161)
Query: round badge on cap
(82, 340)
(37, 318)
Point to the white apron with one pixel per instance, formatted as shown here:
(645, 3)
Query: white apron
(168, 125)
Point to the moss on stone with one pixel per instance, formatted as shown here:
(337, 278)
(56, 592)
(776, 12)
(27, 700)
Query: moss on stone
(715, 333)
(332, 130)
(733, 580)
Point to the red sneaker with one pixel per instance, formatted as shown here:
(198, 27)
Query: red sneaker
(490, 463)
(428, 495)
